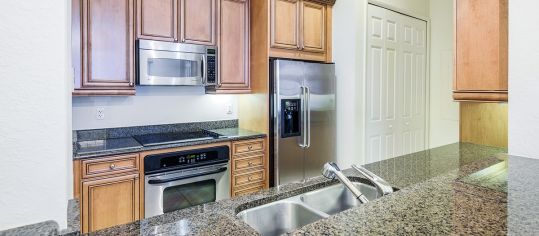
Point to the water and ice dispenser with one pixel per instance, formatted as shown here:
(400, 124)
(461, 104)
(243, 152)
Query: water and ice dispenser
(290, 118)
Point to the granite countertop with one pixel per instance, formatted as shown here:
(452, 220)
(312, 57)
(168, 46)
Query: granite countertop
(432, 200)
(102, 146)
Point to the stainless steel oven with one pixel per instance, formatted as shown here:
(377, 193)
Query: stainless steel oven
(174, 181)
(166, 63)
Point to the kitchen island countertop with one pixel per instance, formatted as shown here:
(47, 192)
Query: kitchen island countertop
(431, 200)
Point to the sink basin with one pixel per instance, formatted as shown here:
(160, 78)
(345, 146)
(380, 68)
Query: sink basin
(289, 214)
(279, 217)
(337, 198)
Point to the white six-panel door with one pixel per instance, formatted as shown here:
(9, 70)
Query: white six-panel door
(395, 85)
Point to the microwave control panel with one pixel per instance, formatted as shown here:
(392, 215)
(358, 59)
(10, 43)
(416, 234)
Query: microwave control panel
(211, 71)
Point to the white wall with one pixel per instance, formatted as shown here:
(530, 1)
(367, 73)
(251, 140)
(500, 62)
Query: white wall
(444, 112)
(416, 8)
(348, 25)
(523, 78)
(349, 37)
(35, 122)
(154, 105)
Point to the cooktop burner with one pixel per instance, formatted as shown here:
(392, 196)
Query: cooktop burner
(169, 138)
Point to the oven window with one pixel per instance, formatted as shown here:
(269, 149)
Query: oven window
(165, 67)
(188, 195)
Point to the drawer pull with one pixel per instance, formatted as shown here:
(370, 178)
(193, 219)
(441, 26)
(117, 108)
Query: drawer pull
(112, 166)
(250, 164)
(250, 178)
(250, 147)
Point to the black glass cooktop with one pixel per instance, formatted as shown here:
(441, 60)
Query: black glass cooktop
(169, 138)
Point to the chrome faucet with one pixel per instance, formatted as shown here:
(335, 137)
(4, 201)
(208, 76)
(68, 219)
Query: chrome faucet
(331, 170)
(381, 185)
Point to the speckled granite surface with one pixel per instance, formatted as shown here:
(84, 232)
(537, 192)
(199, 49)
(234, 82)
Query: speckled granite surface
(51, 227)
(73, 218)
(95, 143)
(43, 228)
(431, 201)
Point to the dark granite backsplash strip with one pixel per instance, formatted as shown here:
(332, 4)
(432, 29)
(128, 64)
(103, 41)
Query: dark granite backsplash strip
(97, 134)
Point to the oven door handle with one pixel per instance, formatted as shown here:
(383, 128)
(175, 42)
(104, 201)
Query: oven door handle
(162, 181)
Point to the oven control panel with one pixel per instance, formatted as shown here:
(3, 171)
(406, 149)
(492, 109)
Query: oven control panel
(185, 159)
(194, 158)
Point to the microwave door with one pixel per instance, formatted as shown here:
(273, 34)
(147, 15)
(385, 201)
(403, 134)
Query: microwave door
(170, 68)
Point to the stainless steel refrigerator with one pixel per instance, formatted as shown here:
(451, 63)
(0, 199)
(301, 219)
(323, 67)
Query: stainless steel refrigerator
(303, 112)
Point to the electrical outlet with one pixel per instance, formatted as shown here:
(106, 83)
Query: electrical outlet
(100, 113)
(229, 109)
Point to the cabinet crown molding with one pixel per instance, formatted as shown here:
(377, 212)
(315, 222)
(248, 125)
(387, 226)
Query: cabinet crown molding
(325, 2)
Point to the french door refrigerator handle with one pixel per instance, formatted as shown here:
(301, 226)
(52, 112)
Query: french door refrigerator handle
(308, 111)
(303, 118)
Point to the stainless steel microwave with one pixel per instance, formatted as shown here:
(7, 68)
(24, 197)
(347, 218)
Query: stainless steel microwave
(166, 63)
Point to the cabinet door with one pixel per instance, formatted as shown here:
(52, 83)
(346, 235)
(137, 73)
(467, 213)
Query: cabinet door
(481, 65)
(109, 202)
(234, 45)
(107, 44)
(198, 21)
(313, 27)
(285, 24)
(157, 19)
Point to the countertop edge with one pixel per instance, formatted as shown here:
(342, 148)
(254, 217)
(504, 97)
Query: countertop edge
(89, 155)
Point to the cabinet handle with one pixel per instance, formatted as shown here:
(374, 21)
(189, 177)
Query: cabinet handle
(250, 164)
(112, 166)
(131, 84)
(250, 147)
(250, 178)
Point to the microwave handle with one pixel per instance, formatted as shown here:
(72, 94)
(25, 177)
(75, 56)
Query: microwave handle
(204, 70)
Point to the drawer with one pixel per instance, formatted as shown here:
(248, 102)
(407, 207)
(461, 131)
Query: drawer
(243, 163)
(247, 146)
(109, 165)
(247, 191)
(248, 178)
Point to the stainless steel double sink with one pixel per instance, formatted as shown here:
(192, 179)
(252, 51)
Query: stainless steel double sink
(289, 214)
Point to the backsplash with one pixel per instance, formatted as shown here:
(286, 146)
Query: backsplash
(154, 106)
(108, 133)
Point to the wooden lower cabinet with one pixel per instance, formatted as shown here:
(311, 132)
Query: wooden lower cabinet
(109, 202)
(249, 167)
(109, 189)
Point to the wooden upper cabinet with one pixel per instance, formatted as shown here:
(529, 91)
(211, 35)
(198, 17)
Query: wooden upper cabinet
(193, 21)
(313, 30)
(299, 30)
(105, 46)
(110, 201)
(157, 19)
(285, 24)
(481, 57)
(198, 21)
(234, 47)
